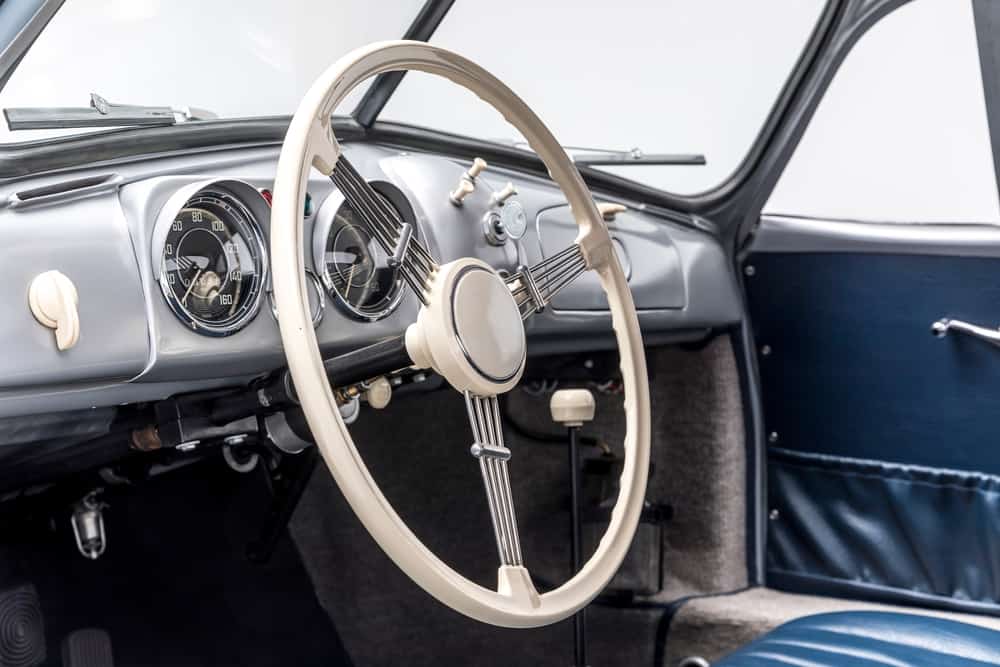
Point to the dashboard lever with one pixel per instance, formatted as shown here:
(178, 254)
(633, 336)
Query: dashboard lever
(467, 182)
(54, 302)
(500, 197)
(610, 211)
(942, 327)
(464, 189)
(478, 166)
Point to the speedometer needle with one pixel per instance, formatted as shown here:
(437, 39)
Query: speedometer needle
(350, 279)
(191, 287)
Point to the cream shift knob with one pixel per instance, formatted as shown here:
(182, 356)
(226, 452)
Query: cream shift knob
(572, 407)
(53, 300)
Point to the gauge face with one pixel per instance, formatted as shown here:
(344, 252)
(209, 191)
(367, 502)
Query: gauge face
(355, 268)
(212, 267)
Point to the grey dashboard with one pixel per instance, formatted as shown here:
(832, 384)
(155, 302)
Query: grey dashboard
(100, 227)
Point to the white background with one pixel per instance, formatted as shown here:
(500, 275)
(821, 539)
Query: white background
(901, 135)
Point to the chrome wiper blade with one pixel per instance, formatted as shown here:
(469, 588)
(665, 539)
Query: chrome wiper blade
(100, 113)
(601, 157)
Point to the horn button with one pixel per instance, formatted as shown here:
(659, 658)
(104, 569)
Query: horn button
(487, 323)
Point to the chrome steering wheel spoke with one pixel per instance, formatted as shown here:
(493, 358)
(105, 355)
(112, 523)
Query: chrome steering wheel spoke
(396, 237)
(534, 287)
(489, 448)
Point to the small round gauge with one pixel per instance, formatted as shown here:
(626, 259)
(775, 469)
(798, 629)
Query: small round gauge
(513, 219)
(213, 264)
(353, 266)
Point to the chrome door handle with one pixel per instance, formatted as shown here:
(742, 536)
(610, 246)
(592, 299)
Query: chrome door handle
(944, 325)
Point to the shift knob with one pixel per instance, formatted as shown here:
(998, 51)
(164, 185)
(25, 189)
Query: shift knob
(572, 407)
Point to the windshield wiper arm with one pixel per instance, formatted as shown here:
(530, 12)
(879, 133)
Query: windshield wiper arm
(595, 157)
(100, 113)
(601, 157)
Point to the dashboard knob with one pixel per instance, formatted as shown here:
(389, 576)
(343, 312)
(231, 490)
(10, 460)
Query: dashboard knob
(610, 211)
(379, 393)
(478, 165)
(464, 189)
(53, 300)
(508, 191)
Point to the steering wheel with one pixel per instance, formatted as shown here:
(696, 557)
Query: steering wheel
(469, 330)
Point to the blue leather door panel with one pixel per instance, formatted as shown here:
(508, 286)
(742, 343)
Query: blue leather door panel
(885, 441)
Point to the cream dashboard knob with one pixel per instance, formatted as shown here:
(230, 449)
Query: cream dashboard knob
(464, 189)
(508, 191)
(53, 300)
(610, 211)
(379, 393)
(478, 165)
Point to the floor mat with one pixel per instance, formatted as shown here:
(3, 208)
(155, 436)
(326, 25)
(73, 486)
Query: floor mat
(174, 586)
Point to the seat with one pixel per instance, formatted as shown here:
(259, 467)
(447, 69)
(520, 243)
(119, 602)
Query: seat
(866, 639)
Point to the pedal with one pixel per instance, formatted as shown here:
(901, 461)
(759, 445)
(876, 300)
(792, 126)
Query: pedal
(90, 647)
(88, 526)
(22, 630)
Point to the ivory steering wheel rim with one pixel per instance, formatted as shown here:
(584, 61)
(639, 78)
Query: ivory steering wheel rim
(309, 143)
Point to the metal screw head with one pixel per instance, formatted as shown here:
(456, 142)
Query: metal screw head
(749, 270)
(772, 437)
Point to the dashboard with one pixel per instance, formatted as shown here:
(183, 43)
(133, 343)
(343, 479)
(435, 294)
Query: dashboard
(169, 259)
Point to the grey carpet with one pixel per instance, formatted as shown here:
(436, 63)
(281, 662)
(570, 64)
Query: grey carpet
(418, 452)
(701, 468)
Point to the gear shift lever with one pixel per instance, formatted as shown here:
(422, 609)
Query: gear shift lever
(573, 408)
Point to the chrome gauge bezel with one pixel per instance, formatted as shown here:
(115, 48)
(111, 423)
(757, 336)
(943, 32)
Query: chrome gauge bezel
(313, 281)
(325, 219)
(250, 226)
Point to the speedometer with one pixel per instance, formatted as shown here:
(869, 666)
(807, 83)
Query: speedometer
(352, 264)
(213, 264)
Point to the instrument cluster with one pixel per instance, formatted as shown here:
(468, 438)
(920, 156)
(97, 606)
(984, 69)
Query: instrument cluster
(210, 246)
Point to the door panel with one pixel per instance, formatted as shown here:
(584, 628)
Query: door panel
(884, 441)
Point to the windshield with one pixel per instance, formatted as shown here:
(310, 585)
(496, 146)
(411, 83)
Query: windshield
(683, 77)
(673, 76)
(251, 58)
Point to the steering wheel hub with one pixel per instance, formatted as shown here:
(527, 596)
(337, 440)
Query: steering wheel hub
(471, 330)
(488, 324)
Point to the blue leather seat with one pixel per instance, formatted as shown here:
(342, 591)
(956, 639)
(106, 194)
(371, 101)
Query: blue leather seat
(866, 639)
